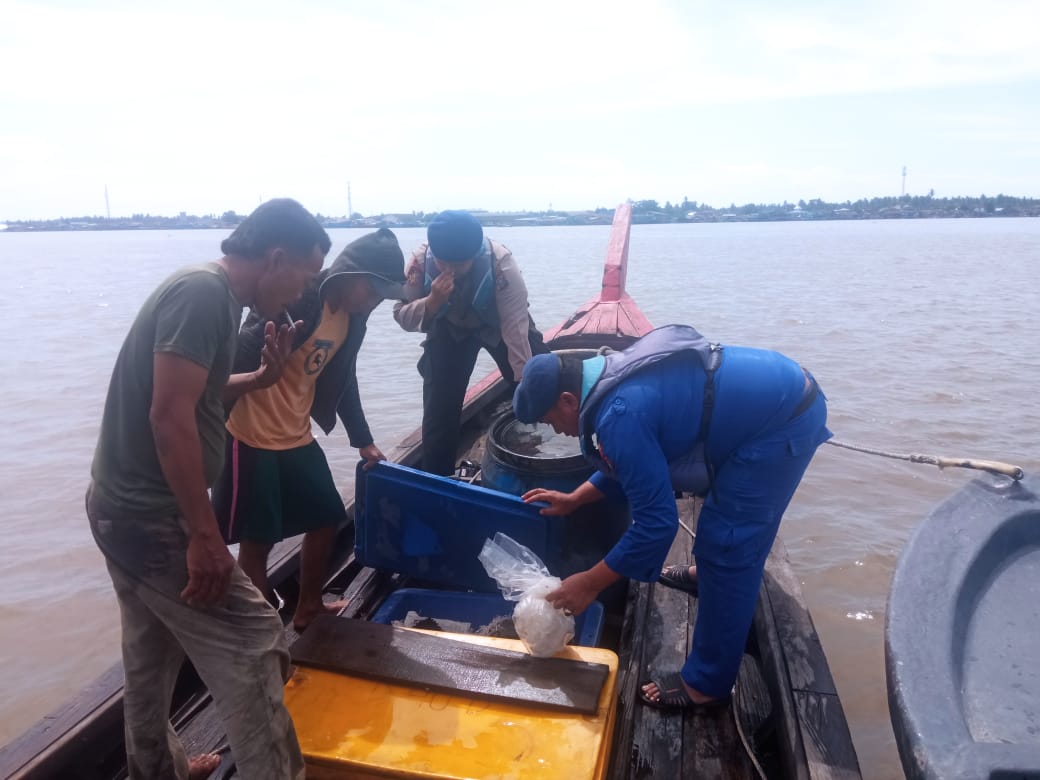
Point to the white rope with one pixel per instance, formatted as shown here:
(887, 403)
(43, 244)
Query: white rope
(744, 740)
(993, 466)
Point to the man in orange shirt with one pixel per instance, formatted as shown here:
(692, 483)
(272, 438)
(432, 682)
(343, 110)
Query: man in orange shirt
(276, 480)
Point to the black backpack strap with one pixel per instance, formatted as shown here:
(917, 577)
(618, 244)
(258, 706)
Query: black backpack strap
(714, 361)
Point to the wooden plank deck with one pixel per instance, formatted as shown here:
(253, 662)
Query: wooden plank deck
(652, 744)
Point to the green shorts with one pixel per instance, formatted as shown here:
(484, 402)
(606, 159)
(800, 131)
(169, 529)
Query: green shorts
(264, 496)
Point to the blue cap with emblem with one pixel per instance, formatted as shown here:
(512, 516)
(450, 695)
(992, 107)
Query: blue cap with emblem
(455, 236)
(539, 389)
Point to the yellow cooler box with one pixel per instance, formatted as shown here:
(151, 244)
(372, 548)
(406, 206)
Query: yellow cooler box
(350, 727)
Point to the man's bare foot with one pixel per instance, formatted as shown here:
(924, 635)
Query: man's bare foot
(304, 615)
(201, 767)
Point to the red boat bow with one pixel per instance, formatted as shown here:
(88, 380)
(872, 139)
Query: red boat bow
(613, 317)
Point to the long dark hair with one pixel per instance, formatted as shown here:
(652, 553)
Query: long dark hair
(281, 222)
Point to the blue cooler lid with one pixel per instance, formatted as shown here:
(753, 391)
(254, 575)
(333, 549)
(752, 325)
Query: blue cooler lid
(433, 528)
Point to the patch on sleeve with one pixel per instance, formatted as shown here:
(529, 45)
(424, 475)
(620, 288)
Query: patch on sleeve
(603, 456)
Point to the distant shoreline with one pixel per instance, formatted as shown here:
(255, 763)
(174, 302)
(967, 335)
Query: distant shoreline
(644, 212)
(492, 223)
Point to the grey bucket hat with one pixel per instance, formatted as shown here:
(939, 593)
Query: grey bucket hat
(378, 256)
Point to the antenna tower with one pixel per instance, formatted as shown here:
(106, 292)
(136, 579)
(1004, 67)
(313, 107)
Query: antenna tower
(350, 203)
(108, 211)
(903, 193)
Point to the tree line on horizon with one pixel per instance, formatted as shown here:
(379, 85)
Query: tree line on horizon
(648, 209)
(989, 204)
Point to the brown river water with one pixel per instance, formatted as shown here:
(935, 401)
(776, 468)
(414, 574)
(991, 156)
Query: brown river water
(923, 334)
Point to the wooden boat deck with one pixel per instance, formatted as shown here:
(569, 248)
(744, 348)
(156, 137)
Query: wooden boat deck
(795, 726)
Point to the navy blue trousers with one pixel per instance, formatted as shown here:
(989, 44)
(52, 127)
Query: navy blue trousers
(735, 531)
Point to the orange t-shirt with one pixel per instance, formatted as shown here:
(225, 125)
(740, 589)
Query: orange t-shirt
(279, 417)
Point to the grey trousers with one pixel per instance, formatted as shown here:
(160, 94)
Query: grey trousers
(237, 647)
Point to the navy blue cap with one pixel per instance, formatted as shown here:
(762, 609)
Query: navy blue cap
(455, 236)
(539, 388)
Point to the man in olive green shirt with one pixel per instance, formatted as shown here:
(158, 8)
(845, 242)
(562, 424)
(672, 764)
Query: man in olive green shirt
(160, 449)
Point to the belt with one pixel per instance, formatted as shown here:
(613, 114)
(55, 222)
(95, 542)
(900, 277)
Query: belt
(808, 397)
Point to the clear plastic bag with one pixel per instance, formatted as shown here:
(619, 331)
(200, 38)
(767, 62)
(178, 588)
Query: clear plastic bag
(522, 577)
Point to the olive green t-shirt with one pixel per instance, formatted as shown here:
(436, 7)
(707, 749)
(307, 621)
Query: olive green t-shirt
(193, 314)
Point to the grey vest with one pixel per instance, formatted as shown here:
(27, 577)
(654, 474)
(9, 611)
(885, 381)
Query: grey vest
(691, 472)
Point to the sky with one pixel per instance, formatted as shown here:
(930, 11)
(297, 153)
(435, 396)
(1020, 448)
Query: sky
(204, 107)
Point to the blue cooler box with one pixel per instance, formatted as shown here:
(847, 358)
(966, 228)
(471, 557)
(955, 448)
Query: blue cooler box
(477, 609)
(433, 528)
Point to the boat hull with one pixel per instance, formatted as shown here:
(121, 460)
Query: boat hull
(961, 639)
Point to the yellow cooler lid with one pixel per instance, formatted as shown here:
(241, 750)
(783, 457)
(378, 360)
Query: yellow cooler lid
(352, 727)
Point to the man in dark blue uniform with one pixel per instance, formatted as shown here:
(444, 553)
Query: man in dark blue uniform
(675, 412)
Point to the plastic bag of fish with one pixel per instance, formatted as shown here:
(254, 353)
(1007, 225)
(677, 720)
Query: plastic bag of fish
(523, 578)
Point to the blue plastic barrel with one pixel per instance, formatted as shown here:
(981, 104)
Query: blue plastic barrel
(519, 457)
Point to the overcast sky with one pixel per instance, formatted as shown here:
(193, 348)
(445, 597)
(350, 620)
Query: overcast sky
(208, 106)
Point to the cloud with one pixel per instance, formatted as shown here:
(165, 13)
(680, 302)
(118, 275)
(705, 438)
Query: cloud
(205, 106)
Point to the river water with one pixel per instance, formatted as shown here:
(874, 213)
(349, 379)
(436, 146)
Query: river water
(923, 334)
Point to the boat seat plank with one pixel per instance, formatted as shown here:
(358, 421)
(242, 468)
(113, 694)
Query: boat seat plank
(397, 655)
